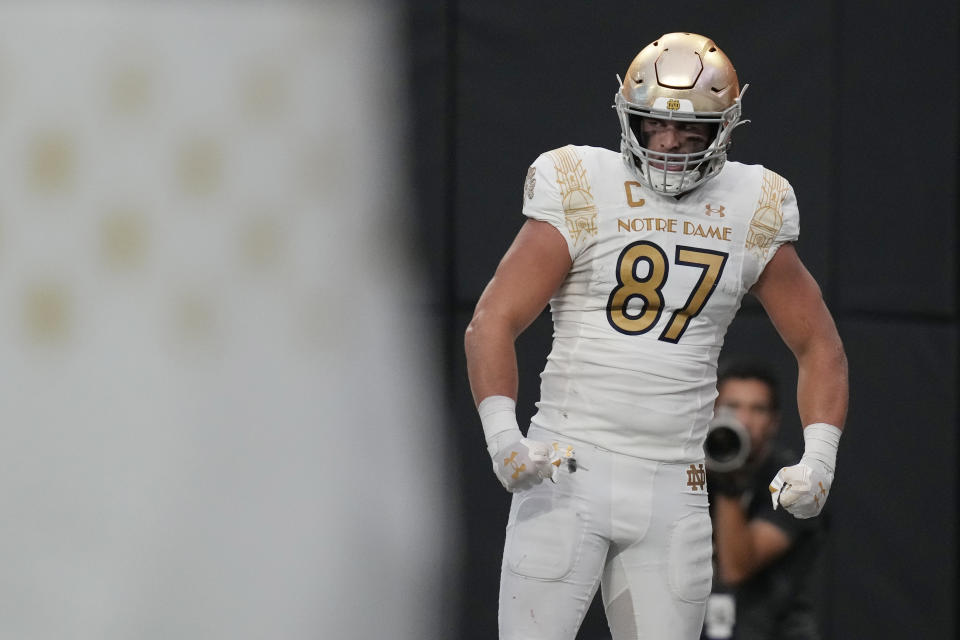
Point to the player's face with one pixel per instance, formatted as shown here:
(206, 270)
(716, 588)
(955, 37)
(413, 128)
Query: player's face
(668, 136)
(752, 403)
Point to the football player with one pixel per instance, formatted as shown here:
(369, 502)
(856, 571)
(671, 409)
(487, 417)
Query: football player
(644, 256)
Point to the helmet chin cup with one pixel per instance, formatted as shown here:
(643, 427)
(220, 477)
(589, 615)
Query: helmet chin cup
(666, 181)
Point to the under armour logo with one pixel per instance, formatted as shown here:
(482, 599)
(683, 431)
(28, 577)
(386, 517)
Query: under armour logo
(696, 477)
(720, 210)
(511, 462)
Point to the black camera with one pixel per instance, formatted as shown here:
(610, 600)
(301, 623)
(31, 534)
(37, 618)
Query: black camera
(728, 443)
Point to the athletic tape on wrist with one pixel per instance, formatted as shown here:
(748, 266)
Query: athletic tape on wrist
(498, 415)
(820, 442)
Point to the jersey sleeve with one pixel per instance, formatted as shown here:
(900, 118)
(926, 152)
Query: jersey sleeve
(776, 221)
(554, 192)
(790, 223)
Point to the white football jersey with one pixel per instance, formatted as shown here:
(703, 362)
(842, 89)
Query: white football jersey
(655, 282)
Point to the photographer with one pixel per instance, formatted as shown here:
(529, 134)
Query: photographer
(766, 559)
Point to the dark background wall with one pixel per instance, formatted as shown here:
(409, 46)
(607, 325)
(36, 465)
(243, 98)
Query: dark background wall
(856, 104)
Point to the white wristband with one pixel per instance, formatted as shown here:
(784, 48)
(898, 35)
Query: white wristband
(498, 415)
(820, 443)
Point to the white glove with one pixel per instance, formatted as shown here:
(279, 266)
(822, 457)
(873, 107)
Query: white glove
(803, 488)
(518, 462)
(523, 464)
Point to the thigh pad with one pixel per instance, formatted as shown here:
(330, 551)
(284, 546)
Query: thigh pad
(544, 540)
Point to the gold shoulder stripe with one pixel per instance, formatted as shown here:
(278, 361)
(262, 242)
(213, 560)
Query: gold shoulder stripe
(579, 210)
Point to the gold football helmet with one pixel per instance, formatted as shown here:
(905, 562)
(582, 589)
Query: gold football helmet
(682, 77)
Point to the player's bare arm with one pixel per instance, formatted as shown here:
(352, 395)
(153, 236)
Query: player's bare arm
(530, 272)
(795, 305)
(528, 275)
(793, 301)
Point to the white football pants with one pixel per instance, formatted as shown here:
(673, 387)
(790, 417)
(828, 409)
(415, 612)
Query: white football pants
(638, 527)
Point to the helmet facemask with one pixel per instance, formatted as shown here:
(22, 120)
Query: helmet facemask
(676, 79)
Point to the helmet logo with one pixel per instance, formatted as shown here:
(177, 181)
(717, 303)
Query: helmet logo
(673, 104)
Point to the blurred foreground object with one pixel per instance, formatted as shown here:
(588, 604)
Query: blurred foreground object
(210, 328)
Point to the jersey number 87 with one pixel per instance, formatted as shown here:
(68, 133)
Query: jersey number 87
(649, 289)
